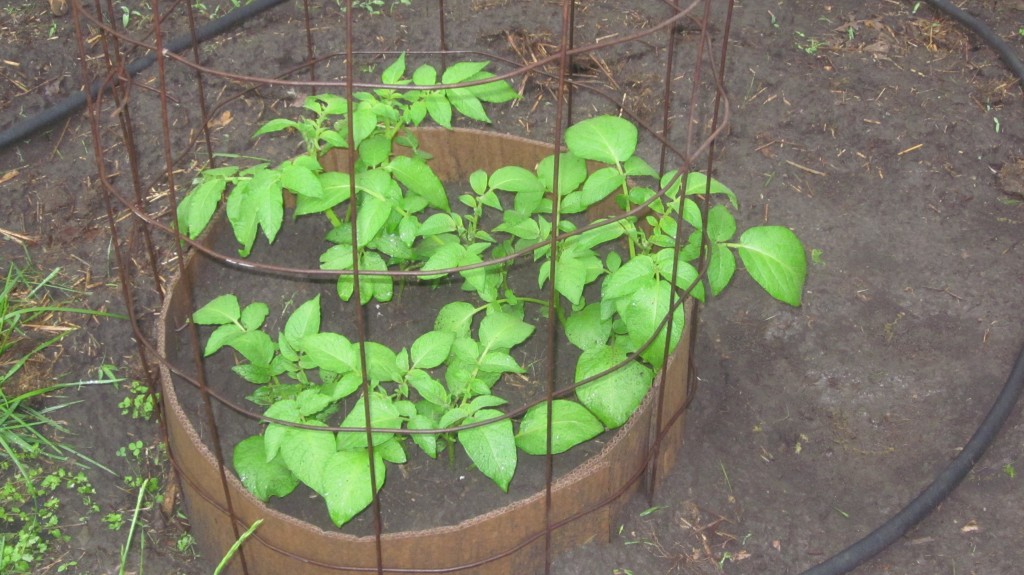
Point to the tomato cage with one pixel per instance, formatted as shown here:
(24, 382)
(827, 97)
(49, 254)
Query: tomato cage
(416, 280)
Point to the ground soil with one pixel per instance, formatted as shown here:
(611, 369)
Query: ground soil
(887, 138)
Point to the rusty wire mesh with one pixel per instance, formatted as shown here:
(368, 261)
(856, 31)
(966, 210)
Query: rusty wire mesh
(155, 128)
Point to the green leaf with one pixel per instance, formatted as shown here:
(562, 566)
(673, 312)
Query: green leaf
(220, 337)
(346, 488)
(439, 108)
(437, 224)
(775, 258)
(284, 410)
(614, 397)
(330, 351)
(425, 75)
(373, 214)
(496, 92)
(375, 150)
(447, 256)
(572, 171)
(196, 210)
(608, 139)
(242, 213)
(265, 198)
(381, 362)
(300, 179)
(219, 311)
(643, 312)
(421, 180)
(721, 224)
(515, 179)
(429, 388)
(462, 71)
(304, 452)
(570, 277)
(391, 451)
(258, 374)
(686, 274)
(696, 183)
(383, 415)
(501, 330)
(467, 104)
(455, 317)
(255, 346)
(600, 184)
(571, 425)
(628, 278)
(586, 330)
(721, 267)
(275, 125)
(343, 386)
(336, 189)
(484, 401)
(253, 315)
(304, 321)
(264, 479)
(426, 441)
(637, 166)
(491, 447)
(312, 402)
(393, 73)
(431, 349)
(499, 362)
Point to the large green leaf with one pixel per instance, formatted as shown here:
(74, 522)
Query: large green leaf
(614, 397)
(197, 208)
(456, 317)
(462, 71)
(515, 179)
(300, 179)
(608, 139)
(304, 452)
(264, 479)
(304, 321)
(346, 486)
(643, 312)
(628, 278)
(330, 351)
(220, 310)
(721, 267)
(775, 258)
(572, 171)
(501, 330)
(429, 388)
(336, 188)
(417, 175)
(383, 415)
(492, 447)
(586, 330)
(431, 349)
(571, 425)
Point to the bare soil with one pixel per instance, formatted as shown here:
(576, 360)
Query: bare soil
(887, 138)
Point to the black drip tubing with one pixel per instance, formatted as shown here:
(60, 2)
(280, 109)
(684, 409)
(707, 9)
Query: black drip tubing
(857, 553)
(940, 488)
(24, 129)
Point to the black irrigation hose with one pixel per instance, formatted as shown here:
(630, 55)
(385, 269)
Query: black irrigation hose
(854, 555)
(31, 125)
(897, 526)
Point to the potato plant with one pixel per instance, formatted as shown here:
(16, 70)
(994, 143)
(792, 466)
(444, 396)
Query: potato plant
(617, 280)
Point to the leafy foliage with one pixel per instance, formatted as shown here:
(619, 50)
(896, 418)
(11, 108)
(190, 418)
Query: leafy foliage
(619, 282)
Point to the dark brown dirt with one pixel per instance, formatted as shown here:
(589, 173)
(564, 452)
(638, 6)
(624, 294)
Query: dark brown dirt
(886, 137)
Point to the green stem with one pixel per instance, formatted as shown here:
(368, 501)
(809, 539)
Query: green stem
(332, 217)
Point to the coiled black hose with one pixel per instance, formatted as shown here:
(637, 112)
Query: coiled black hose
(922, 505)
(75, 102)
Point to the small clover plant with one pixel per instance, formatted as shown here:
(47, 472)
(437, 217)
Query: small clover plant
(617, 280)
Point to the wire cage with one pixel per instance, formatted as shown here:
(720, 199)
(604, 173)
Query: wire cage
(191, 192)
